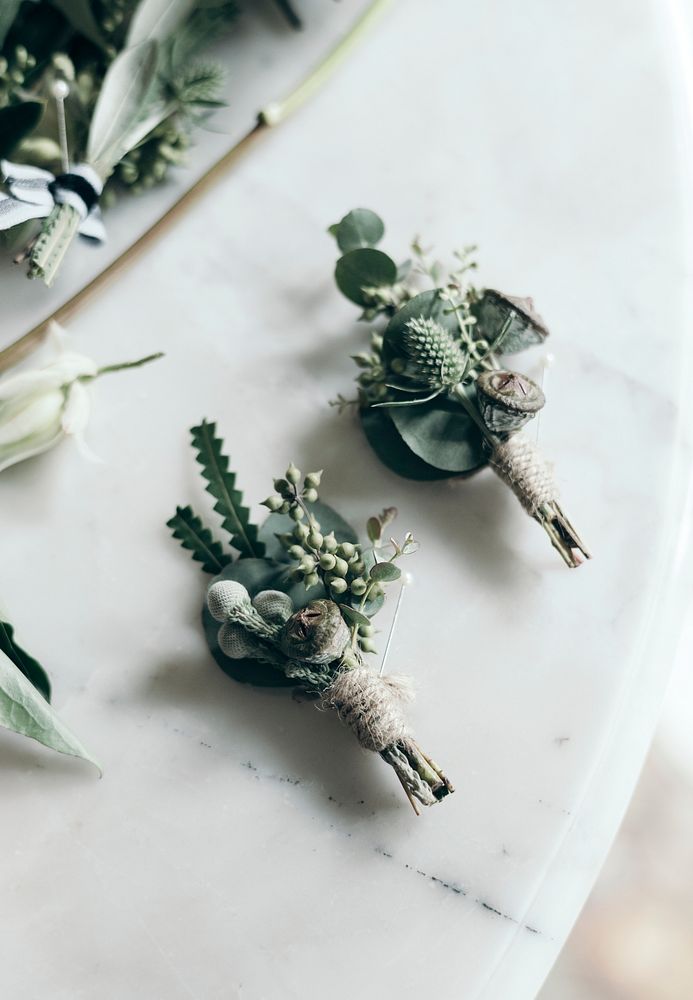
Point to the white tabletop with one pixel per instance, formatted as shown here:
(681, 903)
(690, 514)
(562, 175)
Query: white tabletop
(240, 845)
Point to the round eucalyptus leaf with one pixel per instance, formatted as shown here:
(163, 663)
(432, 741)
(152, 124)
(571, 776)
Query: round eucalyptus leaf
(385, 572)
(278, 524)
(442, 434)
(359, 228)
(392, 450)
(353, 616)
(256, 575)
(364, 268)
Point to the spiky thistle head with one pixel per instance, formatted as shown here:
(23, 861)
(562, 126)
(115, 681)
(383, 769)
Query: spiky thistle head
(435, 357)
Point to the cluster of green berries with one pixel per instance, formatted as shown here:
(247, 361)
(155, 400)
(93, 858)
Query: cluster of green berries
(148, 163)
(371, 379)
(14, 68)
(320, 558)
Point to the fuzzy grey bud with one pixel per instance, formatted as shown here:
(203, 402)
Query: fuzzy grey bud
(224, 597)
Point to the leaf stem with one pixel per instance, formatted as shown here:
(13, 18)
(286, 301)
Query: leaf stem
(107, 369)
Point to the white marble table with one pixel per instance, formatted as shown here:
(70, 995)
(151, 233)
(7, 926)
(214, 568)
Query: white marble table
(239, 845)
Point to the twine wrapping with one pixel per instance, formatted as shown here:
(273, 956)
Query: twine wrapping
(370, 706)
(519, 463)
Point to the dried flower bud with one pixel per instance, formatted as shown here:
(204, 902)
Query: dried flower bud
(524, 324)
(507, 400)
(315, 634)
(225, 596)
(274, 606)
(236, 643)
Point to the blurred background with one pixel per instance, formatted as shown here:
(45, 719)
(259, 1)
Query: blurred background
(634, 939)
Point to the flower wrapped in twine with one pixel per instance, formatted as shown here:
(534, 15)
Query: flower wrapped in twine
(313, 646)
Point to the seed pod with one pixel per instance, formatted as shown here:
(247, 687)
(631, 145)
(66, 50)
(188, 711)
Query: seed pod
(507, 400)
(236, 643)
(274, 606)
(315, 634)
(437, 360)
(225, 596)
(524, 328)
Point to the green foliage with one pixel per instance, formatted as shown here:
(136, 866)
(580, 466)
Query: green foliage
(24, 710)
(385, 572)
(157, 20)
(16, 122)
(8, 12)
(442, 434)
(81, 16)
(358, 271)
(31, 668)
(189, 530)
(388, 445)
(222, 485)
(359, 228)
(277, 524)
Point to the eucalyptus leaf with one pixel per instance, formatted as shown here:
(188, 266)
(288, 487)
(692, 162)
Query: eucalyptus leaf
(16, 122)
(388, 445)
(442, 434)
(8, 12)
(24, 710)
(157, 19)
(31, 668)
(80, 15)
(120, 105)
(385, 572)
(353, 616)
(256, 575)
(277, 524)
(359, 228)
(365, 268)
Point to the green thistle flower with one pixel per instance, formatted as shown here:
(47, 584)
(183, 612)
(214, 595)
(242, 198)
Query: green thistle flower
(436, 358)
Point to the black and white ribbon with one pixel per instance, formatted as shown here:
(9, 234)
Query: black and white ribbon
(33, 192)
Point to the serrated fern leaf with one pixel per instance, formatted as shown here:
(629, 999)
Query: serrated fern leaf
(192, 534)
(222, 485)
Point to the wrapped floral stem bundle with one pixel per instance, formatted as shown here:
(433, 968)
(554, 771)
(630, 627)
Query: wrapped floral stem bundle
(434, 396)
(296, 607)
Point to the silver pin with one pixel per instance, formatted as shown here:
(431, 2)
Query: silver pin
(60, 91)
(405, 580)
(546, 362)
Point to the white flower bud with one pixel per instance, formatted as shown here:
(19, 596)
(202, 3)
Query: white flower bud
(274, 606)
(236, 643)
(225, 596)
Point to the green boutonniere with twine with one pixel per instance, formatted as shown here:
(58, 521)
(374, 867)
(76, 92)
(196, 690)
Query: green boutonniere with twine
(293, 605)
(434, 398)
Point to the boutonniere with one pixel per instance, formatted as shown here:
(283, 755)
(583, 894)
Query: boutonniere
(292, 603)
(435, 395)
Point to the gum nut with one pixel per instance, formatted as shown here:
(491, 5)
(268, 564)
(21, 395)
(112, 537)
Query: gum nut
(235, 642)
(224, 596)
(274, 606)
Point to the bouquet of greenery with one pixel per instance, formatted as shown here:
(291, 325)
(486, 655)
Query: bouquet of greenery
(434, 398)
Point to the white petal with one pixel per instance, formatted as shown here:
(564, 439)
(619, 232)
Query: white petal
(30, 425)
(76, 411)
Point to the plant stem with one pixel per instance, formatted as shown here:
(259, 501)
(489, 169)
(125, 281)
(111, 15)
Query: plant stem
(57, 233)
(107, 369)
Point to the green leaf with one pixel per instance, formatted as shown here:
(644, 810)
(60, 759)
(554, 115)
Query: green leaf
(385, 572)
(427, 305)
(353, 616)
(290, 14)
(392, 451)
(442, 434)
(374, 529)
(81, 17)
(24, 710)
(256, 575)
(189, 530)
(222, 485)
(359, 228)
(121, 104)
(31, 668)
(16, 122)
(8, 12)
(277, 524)
(365, 268)
(157, 19)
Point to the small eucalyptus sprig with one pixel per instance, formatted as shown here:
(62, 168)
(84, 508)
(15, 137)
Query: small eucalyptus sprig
(296, 606)
(434, 397)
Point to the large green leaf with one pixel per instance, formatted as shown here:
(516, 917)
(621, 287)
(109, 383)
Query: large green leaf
(222, 485)
(16, 122)
(25, 711)
(157, 19)
(392, 451)
(31, 668)
(120, 105)
(256, 575)
(81, 17)
(442, 434)
(359, 228)
(364, 268)
(277, 524)
(8, 12)
(192, 534)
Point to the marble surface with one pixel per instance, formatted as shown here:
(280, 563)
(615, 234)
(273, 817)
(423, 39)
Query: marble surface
(239, 844)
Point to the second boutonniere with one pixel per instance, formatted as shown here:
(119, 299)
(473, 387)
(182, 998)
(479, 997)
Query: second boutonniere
(296, 607)
(434, 396)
